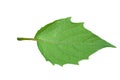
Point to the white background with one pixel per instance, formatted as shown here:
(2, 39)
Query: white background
(21, 60)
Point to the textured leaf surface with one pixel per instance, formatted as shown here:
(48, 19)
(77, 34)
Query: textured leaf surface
(62, 42)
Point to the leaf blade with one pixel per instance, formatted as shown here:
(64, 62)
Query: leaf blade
(62, 42)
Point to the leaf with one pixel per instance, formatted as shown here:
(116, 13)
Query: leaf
(62, 42)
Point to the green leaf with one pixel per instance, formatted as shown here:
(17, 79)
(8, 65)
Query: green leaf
(64, 42)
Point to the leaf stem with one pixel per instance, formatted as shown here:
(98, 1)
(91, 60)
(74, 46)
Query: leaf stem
(21, 38)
